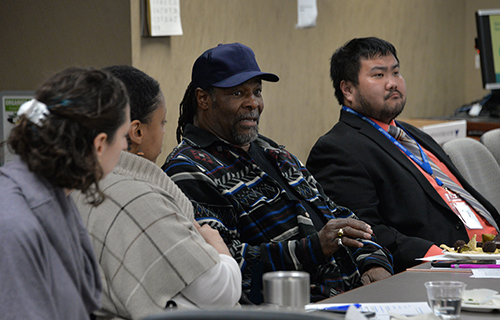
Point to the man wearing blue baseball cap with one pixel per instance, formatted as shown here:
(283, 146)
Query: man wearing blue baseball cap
(268, 208)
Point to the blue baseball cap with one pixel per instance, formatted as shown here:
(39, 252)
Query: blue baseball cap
(226, 66)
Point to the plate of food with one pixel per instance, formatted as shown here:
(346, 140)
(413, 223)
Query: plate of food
(487, 249)
(472, 255)
(480, 307)
(481, 300)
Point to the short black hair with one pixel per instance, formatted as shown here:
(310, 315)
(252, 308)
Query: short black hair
(143, 91)
(346, 60)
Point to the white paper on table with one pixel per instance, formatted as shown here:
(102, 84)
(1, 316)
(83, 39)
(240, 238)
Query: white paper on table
(307, 12)
(383, 310)
(440, 257)
(353, 313)
(485, 273)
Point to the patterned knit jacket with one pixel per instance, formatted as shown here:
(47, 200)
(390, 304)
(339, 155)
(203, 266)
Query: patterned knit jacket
(264, 228)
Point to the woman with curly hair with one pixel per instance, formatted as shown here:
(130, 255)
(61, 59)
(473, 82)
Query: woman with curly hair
(69, 137)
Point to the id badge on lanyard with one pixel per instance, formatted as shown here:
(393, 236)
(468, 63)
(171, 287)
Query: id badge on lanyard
(463, 211)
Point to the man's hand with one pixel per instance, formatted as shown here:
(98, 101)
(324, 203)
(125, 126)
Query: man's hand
(374, 274)
(347, 230)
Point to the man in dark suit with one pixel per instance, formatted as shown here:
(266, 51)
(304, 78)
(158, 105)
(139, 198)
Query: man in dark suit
(391, 174)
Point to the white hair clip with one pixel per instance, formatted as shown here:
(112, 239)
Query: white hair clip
(34, 110)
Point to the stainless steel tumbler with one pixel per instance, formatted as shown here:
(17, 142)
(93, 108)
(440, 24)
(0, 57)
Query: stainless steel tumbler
(287, 289)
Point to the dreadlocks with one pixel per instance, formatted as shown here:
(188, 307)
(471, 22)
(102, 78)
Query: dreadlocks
(187, 111)
(188, 107)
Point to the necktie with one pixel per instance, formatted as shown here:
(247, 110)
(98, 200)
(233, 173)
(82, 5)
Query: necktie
(412, 146)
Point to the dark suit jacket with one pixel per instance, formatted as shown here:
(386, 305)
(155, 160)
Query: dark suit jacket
(361, 169)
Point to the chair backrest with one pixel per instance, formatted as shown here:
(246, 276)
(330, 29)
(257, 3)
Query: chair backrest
(491, 139)
(477, 165)
(237, 314)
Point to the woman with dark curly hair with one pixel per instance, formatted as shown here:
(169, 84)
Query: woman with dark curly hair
(69, 137)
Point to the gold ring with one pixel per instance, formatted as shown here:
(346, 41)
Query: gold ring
(341, 233)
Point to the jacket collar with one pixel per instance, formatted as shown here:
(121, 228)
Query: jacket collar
(202, 137)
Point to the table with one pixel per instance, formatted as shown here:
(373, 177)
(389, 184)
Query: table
(408, 286)
(476, 126)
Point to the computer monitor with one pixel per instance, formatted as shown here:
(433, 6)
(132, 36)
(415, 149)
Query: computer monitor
(488, 44)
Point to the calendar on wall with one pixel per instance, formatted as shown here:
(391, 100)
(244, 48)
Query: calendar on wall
(161, 18)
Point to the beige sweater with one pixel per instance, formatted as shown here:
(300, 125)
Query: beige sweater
(144, 239)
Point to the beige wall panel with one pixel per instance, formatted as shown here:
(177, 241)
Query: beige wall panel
(40, 38)
(428, 34)
(434, 39)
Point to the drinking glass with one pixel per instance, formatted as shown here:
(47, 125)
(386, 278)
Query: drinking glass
(445, 298)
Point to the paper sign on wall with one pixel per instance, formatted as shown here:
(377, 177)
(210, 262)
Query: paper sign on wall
(307, 12)
(163, 18)
(10, 101)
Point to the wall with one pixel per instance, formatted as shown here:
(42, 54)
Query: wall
(434, 39)
(40, 38)
(428, 34)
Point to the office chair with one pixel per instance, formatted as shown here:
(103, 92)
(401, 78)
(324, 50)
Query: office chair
(478, 166)
(237, 314)
(491, 139)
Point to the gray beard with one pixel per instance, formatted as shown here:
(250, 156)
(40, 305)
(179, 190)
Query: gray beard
(244, 138)
(238, 138)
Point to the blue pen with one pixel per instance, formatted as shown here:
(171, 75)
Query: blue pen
(342, 307)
